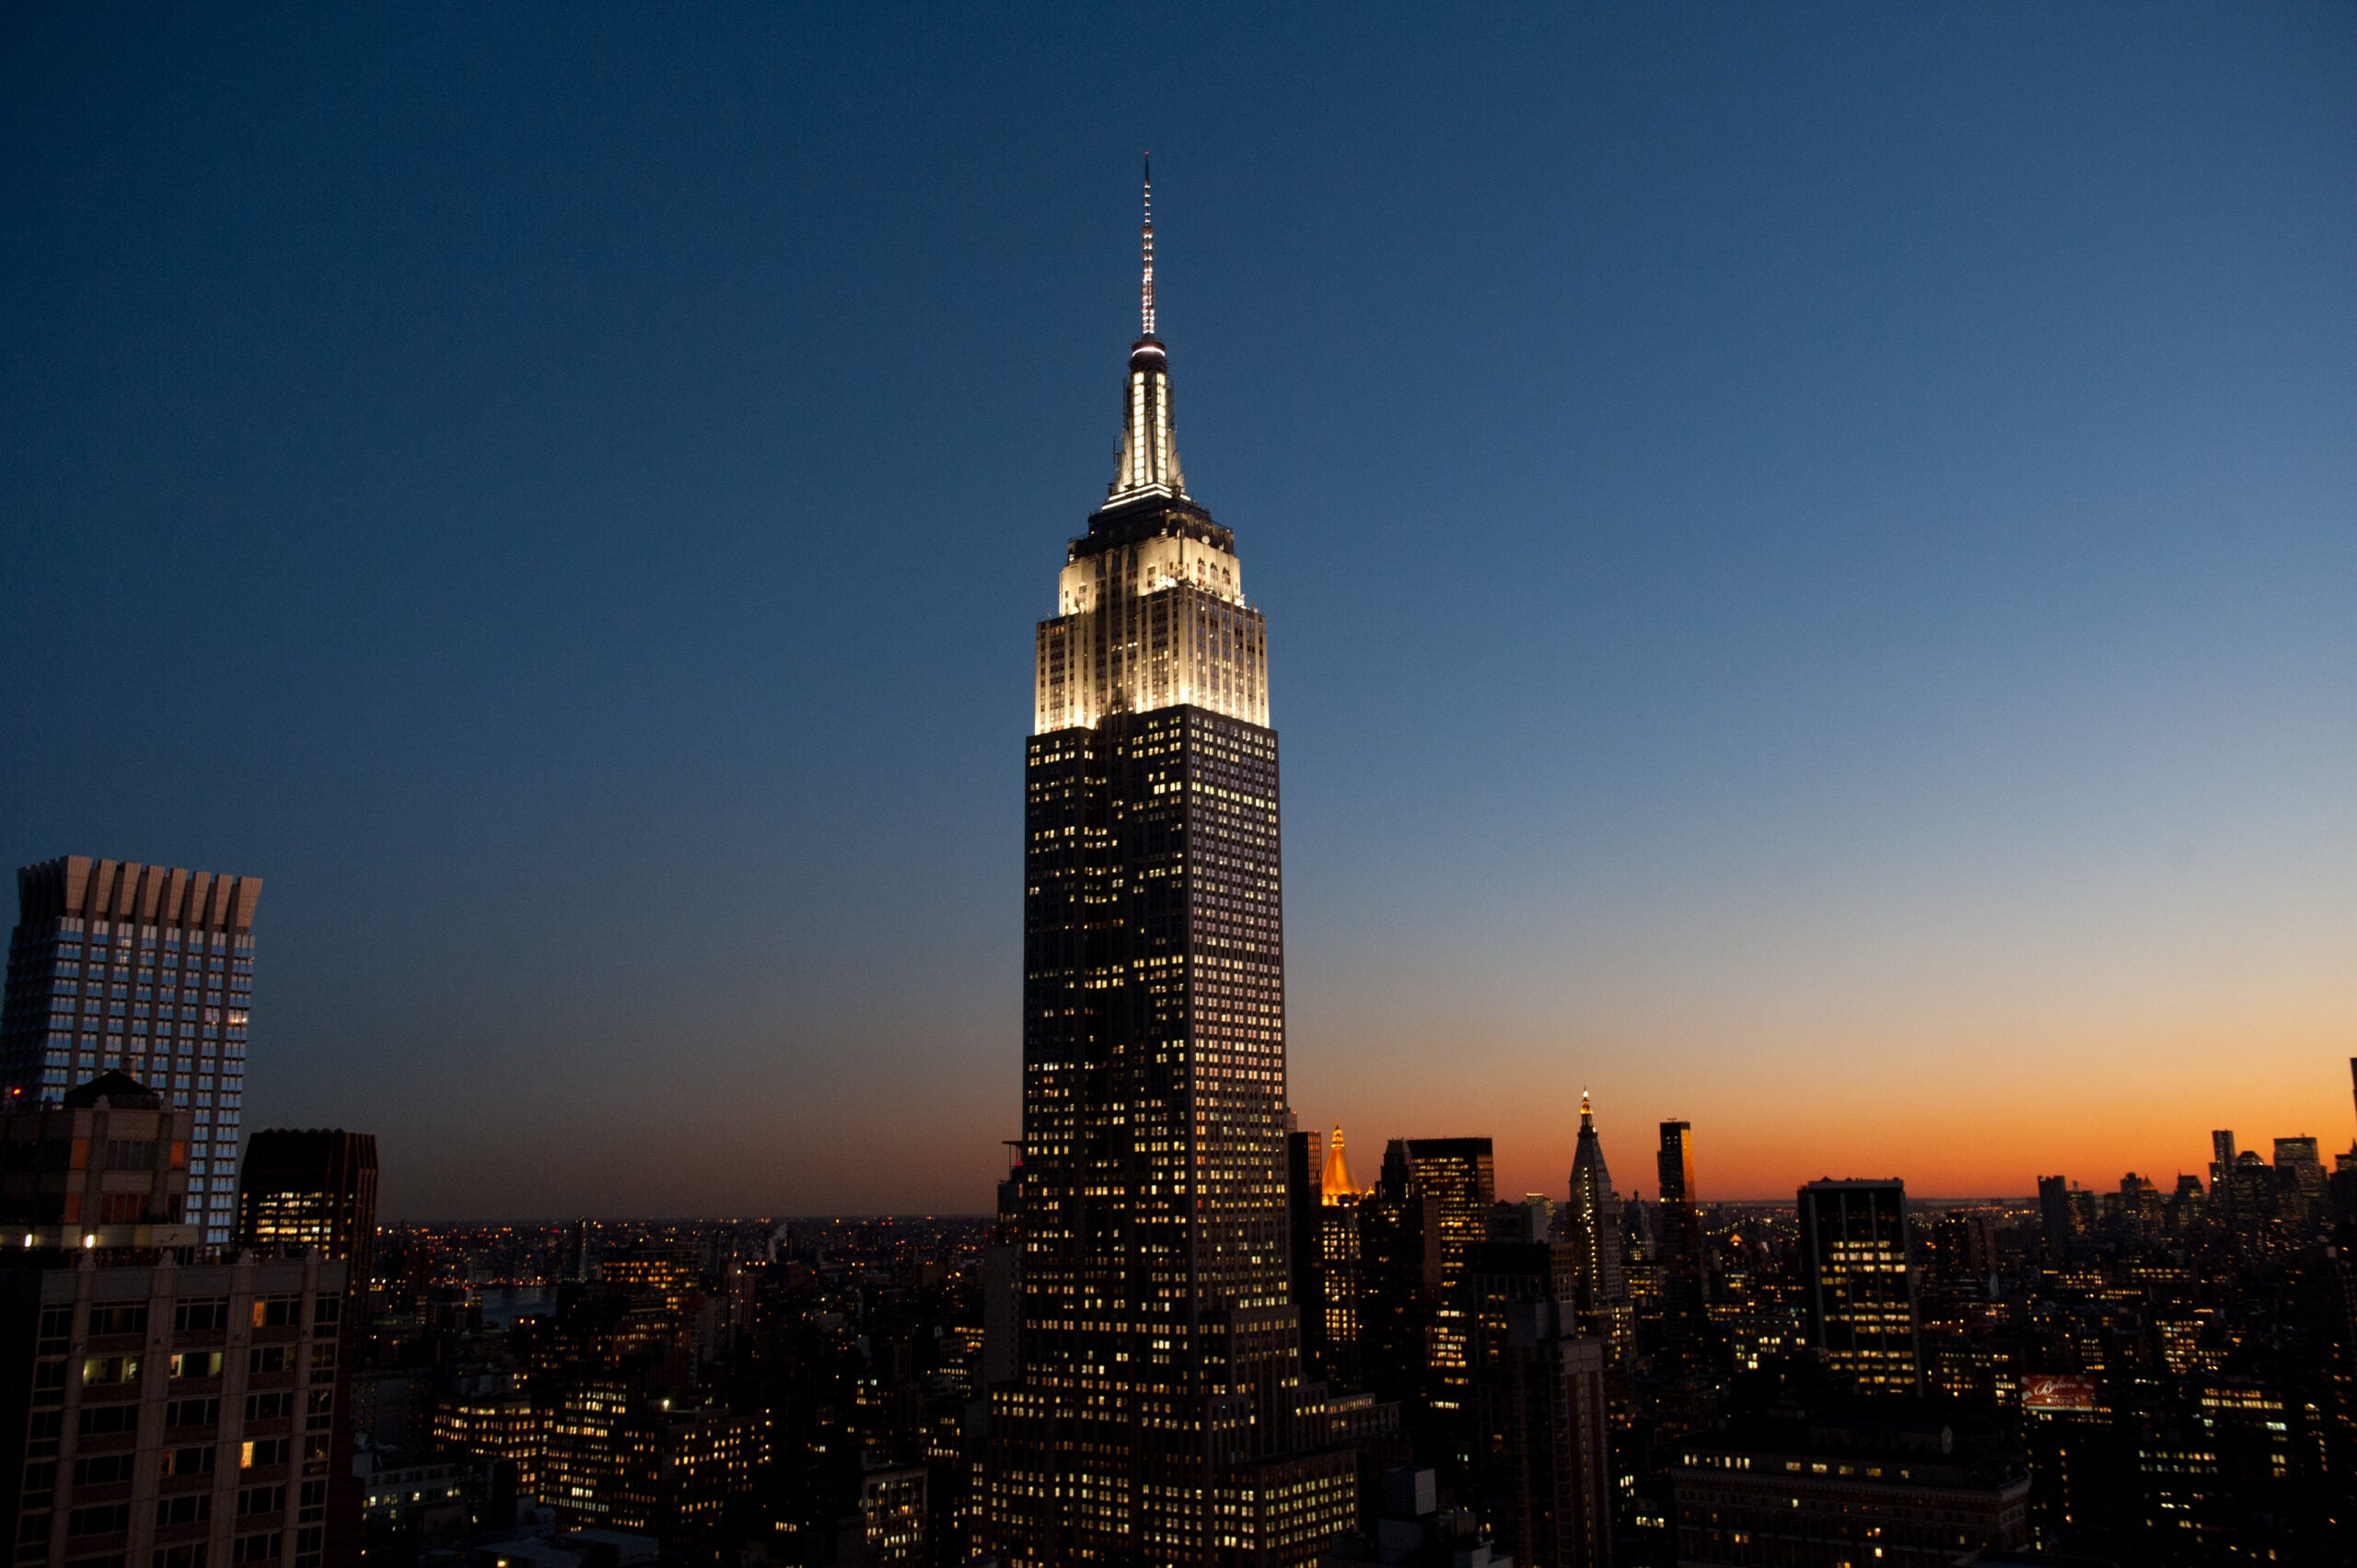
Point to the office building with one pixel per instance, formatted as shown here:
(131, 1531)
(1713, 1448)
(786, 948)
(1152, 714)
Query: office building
(1338, 1267)
(312, 1188)
(893, 1513)
(1963, 1256)
(143, 970)
(2188, 1206)
(316, 1190)
(1859, 1282)
(1820, 1488)
(2299, 1169)
(615, 1460)
(1159, 1413)
(169, 1414)
(421, 1496)
(666, 1279)
(1459, 1174)
(495, 1425)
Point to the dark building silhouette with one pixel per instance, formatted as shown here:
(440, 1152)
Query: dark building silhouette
(1459, 1174)
(313, 1187)
(2054, 1210)
(1304, 1203)
(1834, 1482)
(1964, 1254)
(146, 970)
(1541, 1449)
(1408, 1528)
(1859, 1283)
(1680, 1266)
(1159, 1411)
(1400, 1285)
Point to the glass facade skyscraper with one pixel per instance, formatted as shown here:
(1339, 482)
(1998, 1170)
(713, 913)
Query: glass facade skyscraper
(143, 969)
(1159, 1413)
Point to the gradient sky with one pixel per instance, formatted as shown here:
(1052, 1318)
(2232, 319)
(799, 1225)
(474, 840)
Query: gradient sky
(1810, 555)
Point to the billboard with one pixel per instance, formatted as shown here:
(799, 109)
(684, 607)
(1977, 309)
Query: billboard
(2058, 1392)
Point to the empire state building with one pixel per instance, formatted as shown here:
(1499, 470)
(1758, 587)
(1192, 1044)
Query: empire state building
(1157, 1414)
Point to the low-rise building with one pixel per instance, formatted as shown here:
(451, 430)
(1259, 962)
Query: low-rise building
(1805, 1488)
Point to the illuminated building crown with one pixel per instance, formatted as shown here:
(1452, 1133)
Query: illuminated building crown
(1150, 607)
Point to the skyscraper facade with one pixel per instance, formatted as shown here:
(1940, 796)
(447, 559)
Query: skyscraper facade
(1338, 1271)
(1325, 1257)
(1859, 1282)
(1592, 1224)
(1159, 1415)
(1461, 1174)
(315, 1190)
(195, 1430)
(140, 969)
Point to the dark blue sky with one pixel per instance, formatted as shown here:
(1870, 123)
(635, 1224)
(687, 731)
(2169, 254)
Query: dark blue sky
(1810, 555)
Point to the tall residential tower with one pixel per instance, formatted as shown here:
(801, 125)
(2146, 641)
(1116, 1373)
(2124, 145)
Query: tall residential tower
(144, 970)
(1158, 1415)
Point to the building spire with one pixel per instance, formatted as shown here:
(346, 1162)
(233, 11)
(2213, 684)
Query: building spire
(1334, 1184)
(1146, 243)
(1148, 463)
(1587, 1113)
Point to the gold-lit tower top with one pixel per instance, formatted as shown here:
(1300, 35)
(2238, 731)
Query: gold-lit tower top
(1150, 606)
(1334, 1185)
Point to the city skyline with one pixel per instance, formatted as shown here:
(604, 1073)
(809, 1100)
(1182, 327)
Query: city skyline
(1811, 621)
